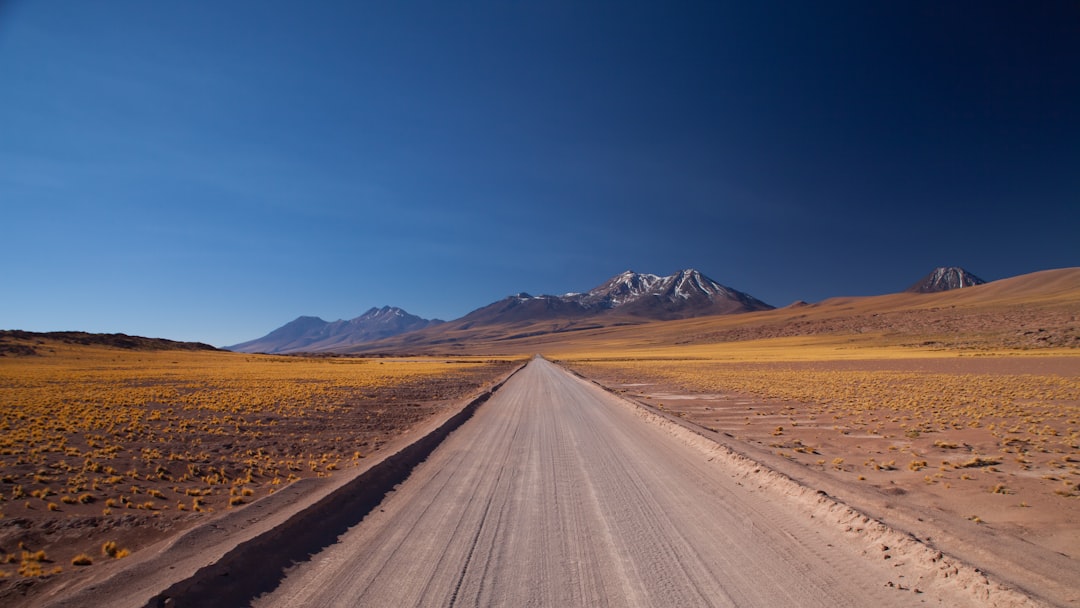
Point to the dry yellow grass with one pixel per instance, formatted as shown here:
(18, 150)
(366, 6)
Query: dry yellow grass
(998, 422)
(74, 415)
(929, 401)
(111, 434)
(827, 347)
(1041, 406)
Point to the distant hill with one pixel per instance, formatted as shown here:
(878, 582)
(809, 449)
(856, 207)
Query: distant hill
(944, 279)
(629, 298)
(1037, 310)
(687, 293)
(312, 334)
(18, 342)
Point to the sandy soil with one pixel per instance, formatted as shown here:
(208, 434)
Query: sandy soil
(976, 487)
(560, 494)
(554, 493)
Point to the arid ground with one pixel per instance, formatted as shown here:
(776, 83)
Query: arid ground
(992, 440)
(952, 418)
(559, 494)
(105, 449)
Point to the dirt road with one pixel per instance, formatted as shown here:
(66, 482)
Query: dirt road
(559, 494)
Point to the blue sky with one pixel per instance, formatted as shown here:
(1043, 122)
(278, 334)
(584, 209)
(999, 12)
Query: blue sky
(211, 170)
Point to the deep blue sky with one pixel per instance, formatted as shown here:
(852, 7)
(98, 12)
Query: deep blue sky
(211, 170)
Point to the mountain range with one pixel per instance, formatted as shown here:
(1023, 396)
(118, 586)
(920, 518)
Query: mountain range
(629, 298)
(687, 293)
(312, 334)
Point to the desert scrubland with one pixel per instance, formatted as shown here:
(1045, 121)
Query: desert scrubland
(974, 451)
(104, 450)
(952, 417)
(557, 493)
(993, 438)
(955, 416)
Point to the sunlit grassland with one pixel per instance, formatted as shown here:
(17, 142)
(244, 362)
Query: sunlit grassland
(853, 386)
(840, 347)
(924, 401)
(96, 430)
(89, 404)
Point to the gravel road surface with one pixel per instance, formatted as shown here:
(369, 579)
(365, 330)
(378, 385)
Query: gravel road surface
(557, 493)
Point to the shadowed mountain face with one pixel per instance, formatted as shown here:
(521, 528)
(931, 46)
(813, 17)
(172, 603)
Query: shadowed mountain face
(312, 334)
(1038, 310)
(17, 342)
(627, 298)
(687, 293)
(944, 279)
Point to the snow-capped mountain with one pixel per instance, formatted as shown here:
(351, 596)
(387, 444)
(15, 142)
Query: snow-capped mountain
(944, 279)
(627, 298)
(312, 334)
(622, 289)
(687, 293)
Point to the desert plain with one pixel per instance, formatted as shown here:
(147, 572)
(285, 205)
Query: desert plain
(107, 449)
(953, 418)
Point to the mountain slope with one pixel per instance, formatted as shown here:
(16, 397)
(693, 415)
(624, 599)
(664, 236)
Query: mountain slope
(375, 324)
(297, 333)
(22, 343)
(627, 299)
(1037, 310)
(312, 334)
(945, 278)
(687, 293)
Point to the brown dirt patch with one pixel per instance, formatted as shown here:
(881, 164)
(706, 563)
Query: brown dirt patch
(1013, 467)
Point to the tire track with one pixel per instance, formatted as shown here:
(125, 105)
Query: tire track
(558, 494)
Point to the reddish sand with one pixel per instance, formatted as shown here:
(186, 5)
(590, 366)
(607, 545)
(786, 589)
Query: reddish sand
(1014, 499)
